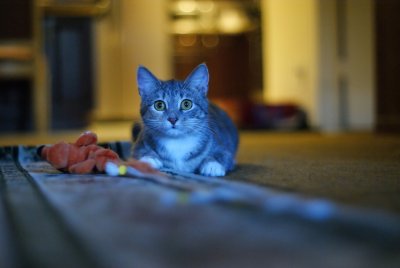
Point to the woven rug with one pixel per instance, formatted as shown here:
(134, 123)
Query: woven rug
(52, 219)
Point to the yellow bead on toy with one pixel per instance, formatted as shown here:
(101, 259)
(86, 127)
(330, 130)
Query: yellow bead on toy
(122, 170)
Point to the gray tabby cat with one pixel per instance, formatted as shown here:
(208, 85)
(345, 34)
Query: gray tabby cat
(181, 130)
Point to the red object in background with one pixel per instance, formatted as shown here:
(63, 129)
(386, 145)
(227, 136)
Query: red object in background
(251, 115)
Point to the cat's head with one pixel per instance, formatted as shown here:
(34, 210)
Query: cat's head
(174, 108)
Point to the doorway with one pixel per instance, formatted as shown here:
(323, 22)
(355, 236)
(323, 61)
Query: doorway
(387, 31)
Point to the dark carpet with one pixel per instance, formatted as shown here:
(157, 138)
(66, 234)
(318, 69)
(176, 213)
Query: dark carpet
(357, 169)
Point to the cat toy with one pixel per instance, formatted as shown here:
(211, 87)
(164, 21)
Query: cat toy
(85, 156)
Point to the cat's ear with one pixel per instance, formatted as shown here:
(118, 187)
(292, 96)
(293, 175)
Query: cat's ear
(198, 78)
(146, 81)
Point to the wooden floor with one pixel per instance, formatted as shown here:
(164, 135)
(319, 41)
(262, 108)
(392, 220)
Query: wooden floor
(49, 219)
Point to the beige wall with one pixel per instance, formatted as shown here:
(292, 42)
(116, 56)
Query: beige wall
(302, 66)
(134, 33)
(290, 61)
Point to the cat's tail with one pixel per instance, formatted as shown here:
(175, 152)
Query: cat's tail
(137, 127)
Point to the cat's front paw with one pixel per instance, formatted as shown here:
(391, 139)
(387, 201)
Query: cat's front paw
(152, 161)
(213, 169)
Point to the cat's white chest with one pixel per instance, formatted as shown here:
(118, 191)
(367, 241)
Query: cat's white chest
(179, 149)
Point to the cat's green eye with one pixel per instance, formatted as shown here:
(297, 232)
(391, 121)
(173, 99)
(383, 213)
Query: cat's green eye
(159, 105)
(186, 105)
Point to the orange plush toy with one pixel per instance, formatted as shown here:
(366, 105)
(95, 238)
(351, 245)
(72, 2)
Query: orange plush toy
(83, 156)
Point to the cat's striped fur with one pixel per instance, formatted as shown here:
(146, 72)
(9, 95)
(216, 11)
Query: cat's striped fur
(185, 132)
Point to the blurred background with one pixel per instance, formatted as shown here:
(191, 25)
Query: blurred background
(324, 65)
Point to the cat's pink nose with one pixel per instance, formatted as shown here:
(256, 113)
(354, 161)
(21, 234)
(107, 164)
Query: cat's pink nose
(172, 120)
